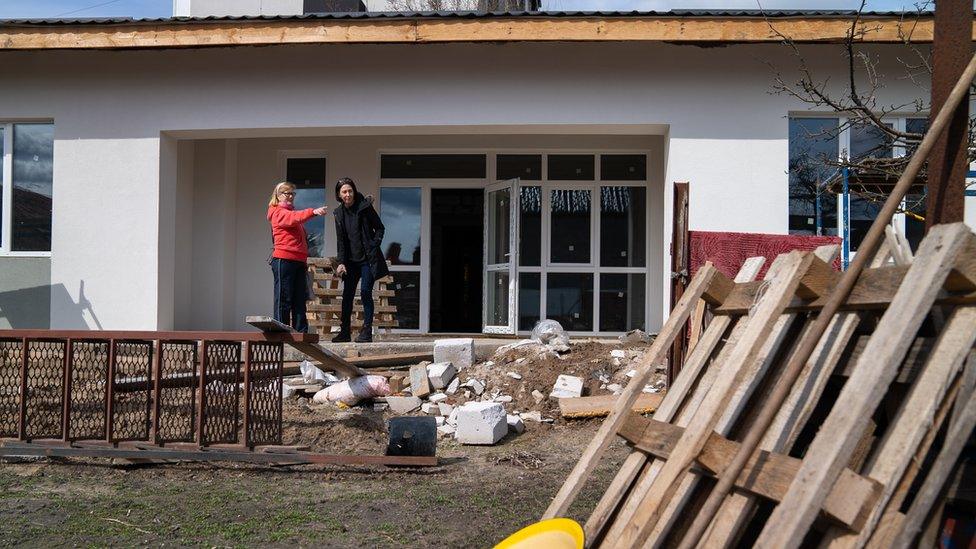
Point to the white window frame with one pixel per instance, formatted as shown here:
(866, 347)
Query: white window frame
(593, 267)
(7, 182)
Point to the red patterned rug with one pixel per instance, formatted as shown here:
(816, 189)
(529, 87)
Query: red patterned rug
(727, 251)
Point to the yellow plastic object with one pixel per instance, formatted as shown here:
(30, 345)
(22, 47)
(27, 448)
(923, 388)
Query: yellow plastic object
(557, 533)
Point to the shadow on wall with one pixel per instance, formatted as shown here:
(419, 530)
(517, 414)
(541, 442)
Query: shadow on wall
(30, 308)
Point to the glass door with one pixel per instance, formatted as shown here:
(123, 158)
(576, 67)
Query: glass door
(501, 251)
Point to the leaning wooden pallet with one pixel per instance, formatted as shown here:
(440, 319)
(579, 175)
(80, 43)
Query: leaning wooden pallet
(325, 307)
(943, 275)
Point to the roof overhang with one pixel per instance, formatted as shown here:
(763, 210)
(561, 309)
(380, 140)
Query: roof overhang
(707, 30)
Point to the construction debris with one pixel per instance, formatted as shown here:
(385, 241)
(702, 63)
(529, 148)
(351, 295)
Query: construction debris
(419, 382)
(403, 404)
(441, 374)
(457, 351)
(567, 387)
(481, 423)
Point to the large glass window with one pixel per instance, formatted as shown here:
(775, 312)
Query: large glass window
(2, 182)
(569, 300)
(865, 200)
(33, 186)
(308, 176)
(812, 141)
(622, 298)
(623, 232)
(570, 225)
(433, 166)
(400, 210)
(530, 299)
(406, 298)
(530, 226)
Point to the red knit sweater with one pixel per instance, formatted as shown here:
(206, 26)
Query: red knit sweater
(289, 235)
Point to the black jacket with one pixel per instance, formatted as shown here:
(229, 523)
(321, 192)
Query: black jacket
(371, 231)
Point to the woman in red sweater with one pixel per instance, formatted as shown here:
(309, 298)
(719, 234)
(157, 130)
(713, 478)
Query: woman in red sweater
(289, 255)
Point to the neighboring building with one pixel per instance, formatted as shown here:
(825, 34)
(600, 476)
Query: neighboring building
(522, 163)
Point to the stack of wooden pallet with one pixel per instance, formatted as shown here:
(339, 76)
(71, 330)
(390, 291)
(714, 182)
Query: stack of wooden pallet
(325, 308)
(890, 386)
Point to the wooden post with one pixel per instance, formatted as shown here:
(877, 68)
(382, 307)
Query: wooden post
(948, 162)
(679, 273)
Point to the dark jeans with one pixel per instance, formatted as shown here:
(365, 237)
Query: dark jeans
(356, 272)
(289, 293)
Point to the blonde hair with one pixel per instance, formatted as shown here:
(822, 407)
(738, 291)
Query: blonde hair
(278, 188)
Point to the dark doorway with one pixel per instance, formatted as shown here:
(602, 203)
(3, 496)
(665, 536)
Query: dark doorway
(456, 238)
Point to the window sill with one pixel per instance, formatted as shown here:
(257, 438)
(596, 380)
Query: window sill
(25, 254)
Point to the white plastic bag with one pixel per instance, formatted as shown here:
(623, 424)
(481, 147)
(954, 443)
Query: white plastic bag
(351, 391)
(550, 332)
(311, 374)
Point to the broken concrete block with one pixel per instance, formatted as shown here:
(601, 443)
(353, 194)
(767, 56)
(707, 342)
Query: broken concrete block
(515, 423)
(615, 388)
(514, 375)
(403, 405)
(452, 417)
(444, 409)
(437, 397)
(457, 351)
(481, 423)
(287, 391)
(429, 408)
(476, 386)
(453, 386)
(446, 430)
(441, 374)
(439, 420)
(397, 383)
(419, 384)
(618, 353)
(534, 415)
(503, 398)
(538, 396)
(567, 387)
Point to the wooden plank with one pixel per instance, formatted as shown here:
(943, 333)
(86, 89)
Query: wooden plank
(326, 358)
(957, 437)
(320, 308)
(767, 475)
(337, 292)
(874, 289)
(792, 416)
(643, 28)
(598, 445)
(892, 518)
(600, 405)
(768, 310)
(751, 377)
(832, 448)
(669, 407)
(682, 397)
(8, 449)
(917, 413)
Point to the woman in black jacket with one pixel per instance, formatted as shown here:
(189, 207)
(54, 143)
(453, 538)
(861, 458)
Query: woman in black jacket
(359, 232)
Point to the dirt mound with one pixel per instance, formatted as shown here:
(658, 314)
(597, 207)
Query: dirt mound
(326, 428)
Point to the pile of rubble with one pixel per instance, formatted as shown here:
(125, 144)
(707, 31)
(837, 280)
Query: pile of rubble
(523, 382)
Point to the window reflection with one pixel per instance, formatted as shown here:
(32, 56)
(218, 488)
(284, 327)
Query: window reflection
(813, 141)
(308, 175)
(400, 210)
(570, 225)
(569, 300)
(33, 186)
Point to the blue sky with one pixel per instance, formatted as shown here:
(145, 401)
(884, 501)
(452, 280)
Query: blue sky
(164, 8)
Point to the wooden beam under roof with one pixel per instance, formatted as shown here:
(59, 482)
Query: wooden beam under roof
(699, 30)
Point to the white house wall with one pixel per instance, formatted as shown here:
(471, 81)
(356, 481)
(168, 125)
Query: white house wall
(726, 134)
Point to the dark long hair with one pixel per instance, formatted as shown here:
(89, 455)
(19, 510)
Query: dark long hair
(345, 181)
